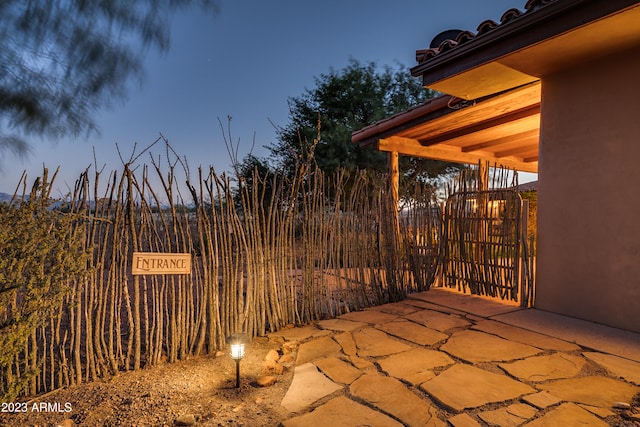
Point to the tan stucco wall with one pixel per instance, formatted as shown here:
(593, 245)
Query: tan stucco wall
(588, 263)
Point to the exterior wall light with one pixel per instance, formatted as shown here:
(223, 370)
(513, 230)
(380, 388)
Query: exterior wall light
(237, 343)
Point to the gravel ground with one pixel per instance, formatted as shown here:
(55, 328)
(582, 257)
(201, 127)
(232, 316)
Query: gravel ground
(201, 389)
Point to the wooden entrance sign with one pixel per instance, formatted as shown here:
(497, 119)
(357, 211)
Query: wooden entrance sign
(160, 263)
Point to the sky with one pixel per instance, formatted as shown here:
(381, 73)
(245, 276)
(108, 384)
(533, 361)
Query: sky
(244, 63)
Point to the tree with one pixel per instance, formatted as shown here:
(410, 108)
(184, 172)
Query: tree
(60, 61)
(323, 118)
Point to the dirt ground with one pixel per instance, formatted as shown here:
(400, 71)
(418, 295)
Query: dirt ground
(201, 389)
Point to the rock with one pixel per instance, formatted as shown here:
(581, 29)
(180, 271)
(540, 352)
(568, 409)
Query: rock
(342, 411)
(287, 359)
(462, 386)
(266, 381)
(413, 332)
(592, 390)
(478, 347)
(272, 367)
(272, 355)
(307, 387)
(369, 316)
(261, 340)
(393, 397)
(347, 343)
(617, 366)
(542, 400)
(316, 349)
(66, 423)
(185, 420)
(289, 347)
(436, 320)
(341, 325)
(567, 414)
(338, 370)
(621, 405)
(375, 343)
(513, 415)
(415, 365)
(545, 368)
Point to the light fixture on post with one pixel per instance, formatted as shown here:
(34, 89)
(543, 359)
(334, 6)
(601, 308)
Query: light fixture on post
(237, 343)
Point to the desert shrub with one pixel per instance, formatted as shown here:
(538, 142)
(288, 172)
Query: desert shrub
(41, 250)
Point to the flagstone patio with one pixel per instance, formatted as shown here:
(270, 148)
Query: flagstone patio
(441, 358)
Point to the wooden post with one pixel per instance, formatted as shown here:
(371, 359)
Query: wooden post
(525, 289)
(394, 176)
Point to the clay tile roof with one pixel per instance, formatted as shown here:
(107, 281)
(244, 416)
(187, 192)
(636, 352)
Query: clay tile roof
(510, 15)
(423, 55)
(533, 5)
(486, 26)
(462, 37)
(447, 45)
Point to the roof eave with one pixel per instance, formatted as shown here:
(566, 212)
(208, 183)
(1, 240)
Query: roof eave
(549, 21)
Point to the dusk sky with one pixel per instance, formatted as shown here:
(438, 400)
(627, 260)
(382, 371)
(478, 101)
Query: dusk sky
(245, 62)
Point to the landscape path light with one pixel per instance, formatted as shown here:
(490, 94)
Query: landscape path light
(237, 343)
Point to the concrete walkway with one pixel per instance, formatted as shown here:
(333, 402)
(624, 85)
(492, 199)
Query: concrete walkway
(440, 358)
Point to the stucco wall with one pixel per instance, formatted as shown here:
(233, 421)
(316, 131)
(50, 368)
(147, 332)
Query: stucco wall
(589, 193)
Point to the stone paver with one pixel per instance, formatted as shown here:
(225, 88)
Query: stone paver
(474, 304)
(592, 390)
(414, 366)
(374, 317)
(338, 370)
(542, 400)
(545, 368)
(511, 416)
(317, 348)
(308, 386)
(347, 343)
(399, 308)
(340, 325)
(393, 397)
(413, 332)
(298, 334)
(623, 368)
(388, 365)
(342, 412)
(463, 386)
(567, 414)
(430, 306)
(463, 420)
(374, 343)
(524, 336)
(362, 364)
(436, 320)
(477, 347)
(596, 410)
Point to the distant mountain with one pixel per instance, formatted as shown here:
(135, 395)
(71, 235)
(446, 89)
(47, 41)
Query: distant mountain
(5, 198)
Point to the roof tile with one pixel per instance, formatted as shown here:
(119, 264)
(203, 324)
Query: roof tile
(424, 55)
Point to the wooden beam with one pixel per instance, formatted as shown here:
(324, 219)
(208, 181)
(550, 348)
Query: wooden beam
(517, 150)
(534, 133)
(506, 103)
(483, 125)
(411, 147)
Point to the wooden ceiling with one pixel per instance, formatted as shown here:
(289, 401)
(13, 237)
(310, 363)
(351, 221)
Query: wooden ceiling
(503, 130)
